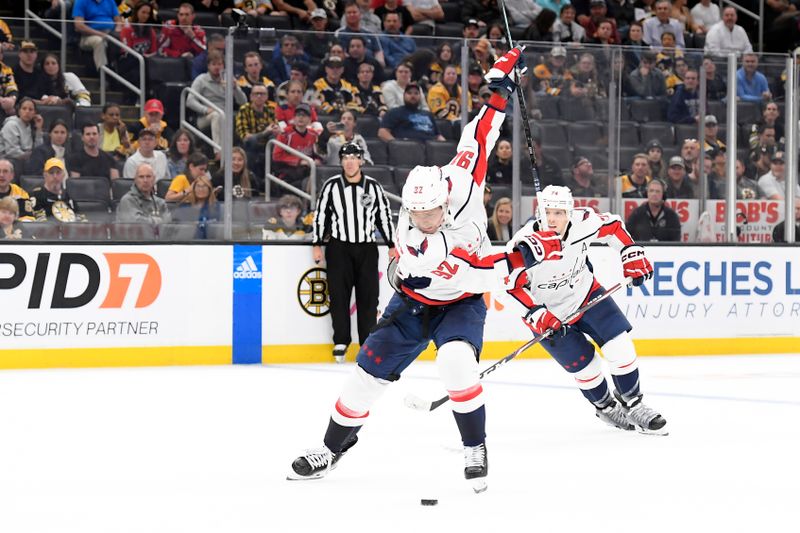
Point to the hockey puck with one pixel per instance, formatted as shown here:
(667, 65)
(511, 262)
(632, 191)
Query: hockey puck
(428, 502)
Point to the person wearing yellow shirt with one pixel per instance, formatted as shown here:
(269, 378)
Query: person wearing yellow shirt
(181, 185)
(444, 98)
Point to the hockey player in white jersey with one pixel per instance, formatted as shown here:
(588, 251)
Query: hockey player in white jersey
(440, 277)
(555, 289)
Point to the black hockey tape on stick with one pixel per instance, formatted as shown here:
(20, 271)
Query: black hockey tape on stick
(415, 402)
(523, 109)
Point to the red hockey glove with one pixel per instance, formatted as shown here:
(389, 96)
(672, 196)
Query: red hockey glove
(635, 265)
(502, 77)
(539, 246)
(539, 320)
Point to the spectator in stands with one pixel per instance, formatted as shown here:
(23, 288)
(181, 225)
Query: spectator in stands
(705, 14)
(344, 134)
(394, 90)
(655, 154)
(181, 37)
(746, 187)
(211, 85)
(751, 85)
(548, 167)
(655, 26)
(51, 200)
(6, 38)
(565, 29)
(583, 182)
(674, 76)
(256, 9)
(522, 13)
(772, 185)
(634, 184)
(425, 12)
(290, 167)
(598, 12)
(624, 13)
(181, 185)
(22, 133)
(712, 130)
(727, 36)
(716, 86)
(499, 224)
(396, 46)
(678, 183)
(27, 74)
(299, 73)
(61, 88)
(285, 112)
(94, 20)
(444, 57)
(586, 83)
(647, 81)
(395, 7)
(147, 153)
(499, 167)
(497, 39)
(770, 116)
(141, 204)
(444, 98)
(290, 224)
(299, 11)
(357, 56)
(9, 212)
(336, 50)
(290, 51)
(216, 43)
(114, 137)
(409, 121)
(245, 184)
(369, 21)
(55, 145)
(213, 6)
(602, 34)
(484, 11)
(370, 99)
(761, 158)
(477, 88)
(8, 89)
(352, 24)
(91, 161)
(690, 152)
(654, 220)
(14, 191)
(635, 47)
(684, 105)
(779, 230)
(681, 13)
(317, 42)
(200, 207)
(140, 35)
(543, 28)
(334, 93)
(256, 125)
(153, 120)
(180, 148)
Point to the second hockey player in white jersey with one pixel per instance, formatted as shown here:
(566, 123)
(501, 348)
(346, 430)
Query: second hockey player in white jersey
(553, 290)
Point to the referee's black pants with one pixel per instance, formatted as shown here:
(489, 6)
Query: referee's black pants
(352, 265)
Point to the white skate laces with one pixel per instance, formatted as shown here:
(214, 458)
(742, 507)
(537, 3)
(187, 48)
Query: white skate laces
(476, 467)
(614, 415)
(313, 464)
(646, 419)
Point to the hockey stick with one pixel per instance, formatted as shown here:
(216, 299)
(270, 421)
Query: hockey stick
(413, 401)
(523, 109)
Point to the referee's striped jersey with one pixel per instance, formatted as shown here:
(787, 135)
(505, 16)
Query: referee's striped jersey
(351, 212)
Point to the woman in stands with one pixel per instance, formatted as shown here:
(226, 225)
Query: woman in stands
(244, 184)
(444, 98)
(139, 33)
(56, 145)
(499, 228)
(497, 39)
(114, 138)
(346, 135)
(499, 168)
(444, 57)
(180, 147)
(61, 88)
(201, 202)
(22, 133)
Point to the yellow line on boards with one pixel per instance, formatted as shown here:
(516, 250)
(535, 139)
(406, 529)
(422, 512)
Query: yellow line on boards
(113, 357)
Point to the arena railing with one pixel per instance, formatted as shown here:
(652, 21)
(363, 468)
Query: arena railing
(62, 35)
(105, 70)
(311, 195)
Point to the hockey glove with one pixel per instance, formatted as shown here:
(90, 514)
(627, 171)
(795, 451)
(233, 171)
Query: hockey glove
(539, 246)
(539, 320)
(635, 265)
(503, 77)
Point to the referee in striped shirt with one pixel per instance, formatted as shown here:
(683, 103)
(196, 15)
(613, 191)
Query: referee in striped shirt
(350, 207)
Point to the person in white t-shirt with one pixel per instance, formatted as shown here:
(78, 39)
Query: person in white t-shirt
(147, 153)
(706, 14)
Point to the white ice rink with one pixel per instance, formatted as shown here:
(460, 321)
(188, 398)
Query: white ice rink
(206, 449)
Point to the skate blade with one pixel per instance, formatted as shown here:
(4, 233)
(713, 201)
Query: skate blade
(479, 485)
(293, 476)
(663, 432)
(339, 359)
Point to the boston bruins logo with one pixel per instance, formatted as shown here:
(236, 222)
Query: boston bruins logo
(312, 292)
(63, 212)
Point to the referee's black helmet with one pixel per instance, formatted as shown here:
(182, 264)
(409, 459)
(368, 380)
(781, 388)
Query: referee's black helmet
(351, 149)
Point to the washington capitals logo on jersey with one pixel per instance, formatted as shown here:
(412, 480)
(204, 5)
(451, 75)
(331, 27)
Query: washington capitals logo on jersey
(416, 252)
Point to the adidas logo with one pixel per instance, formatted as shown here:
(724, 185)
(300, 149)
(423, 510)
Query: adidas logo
(247, 269)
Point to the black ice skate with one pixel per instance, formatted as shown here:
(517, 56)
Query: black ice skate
(314, 464)
(339, 352)
(614, 415)
(645, 419)
(476, 467)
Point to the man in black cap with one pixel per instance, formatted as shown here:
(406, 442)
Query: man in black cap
(316, 43)
(583, 183)
(334, 93)
(678, 183)
(409, 121)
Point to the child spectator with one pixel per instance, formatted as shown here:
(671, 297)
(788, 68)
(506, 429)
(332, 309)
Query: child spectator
(290, 224)
(153, 120)
(287, 166)
(9, 228)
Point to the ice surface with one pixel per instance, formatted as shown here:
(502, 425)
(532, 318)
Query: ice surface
(206, 449)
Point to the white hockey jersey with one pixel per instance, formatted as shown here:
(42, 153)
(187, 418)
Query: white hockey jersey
(565, 284)
(455, 262)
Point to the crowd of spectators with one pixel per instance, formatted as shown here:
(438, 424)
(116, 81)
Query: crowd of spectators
(353, 73)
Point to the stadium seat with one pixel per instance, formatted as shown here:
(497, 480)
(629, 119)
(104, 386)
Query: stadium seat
(648, 110)
(52, 112)
(84, 231)
(452, 12)
(31, 182)
(439, 153)
(178, 231)
(367, 126)
(89, 188)
(162, 186)
(383, 175)
(685, 131)
(170, 95)
(216, 232)
(41, 231)
(208, 20)
(629, 134)
(449, 29)
(406, 153)
(261, 211)
(561, 154)
(400, 175)
(446, 129)
(377, 149)
(718, 109)
(120, 187)
(131, 231)
(166, 69)
(584, 133)
(598, 155)
(273, 21)
(87, 115)
(575, 109)
(626, 154)
(658, 130)
(548, 107)
(551, 132)
(748, 112)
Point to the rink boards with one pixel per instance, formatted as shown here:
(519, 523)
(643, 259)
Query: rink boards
(133, 305)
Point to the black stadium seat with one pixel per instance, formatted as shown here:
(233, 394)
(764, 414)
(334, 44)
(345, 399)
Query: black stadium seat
(30, 182)
(629, 134)
(377, 149)
(648, 110)
(52, 112)
(177, 231)
(89, 188)
(598, 155)
(584, 133)
(383, 175)
(658, 130)
(166, 69)
(550, 132)
(406, 153)
(367, 126)
(439, 152)
(87, 115)
(119, 188)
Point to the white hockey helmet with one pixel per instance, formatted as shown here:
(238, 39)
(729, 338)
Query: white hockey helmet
(425, 189)
(554, 197)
